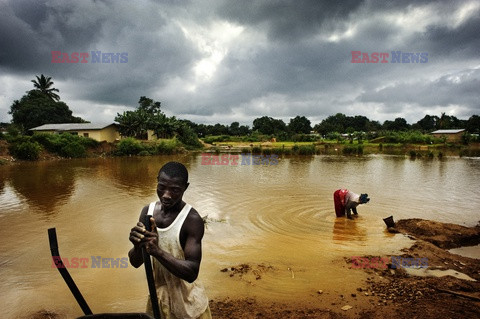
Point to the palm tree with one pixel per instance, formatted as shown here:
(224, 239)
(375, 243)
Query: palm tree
(44, 84)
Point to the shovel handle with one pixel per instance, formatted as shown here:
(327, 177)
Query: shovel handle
(149, 272)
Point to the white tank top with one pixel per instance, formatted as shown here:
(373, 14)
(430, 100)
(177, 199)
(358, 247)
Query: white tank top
(185, 300)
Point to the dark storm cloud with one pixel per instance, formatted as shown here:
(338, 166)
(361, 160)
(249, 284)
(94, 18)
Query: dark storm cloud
(220, 61)
(30, 32)
(287, 19)
(456, 88)
(461, 42)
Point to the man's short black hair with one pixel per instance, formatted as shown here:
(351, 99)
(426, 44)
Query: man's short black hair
(176, 170)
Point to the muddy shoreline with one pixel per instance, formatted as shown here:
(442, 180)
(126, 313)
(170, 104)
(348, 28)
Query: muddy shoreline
(389, 291)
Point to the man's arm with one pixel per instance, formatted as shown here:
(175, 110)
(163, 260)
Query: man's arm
(193, 230)
(137, 234)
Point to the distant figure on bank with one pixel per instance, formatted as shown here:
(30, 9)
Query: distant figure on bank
(346, 201)
(175, 245)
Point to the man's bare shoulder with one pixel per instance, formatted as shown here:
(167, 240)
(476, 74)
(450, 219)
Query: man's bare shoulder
(194, 217)
(194, 222)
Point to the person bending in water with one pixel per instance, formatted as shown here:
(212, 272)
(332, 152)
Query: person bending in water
(346, 201)
(175, 243)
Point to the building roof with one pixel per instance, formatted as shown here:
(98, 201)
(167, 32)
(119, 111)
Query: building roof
(72, 126)
(448, 131)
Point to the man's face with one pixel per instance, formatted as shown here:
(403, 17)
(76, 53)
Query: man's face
(170, 190)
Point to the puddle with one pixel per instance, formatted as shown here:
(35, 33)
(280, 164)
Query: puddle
(467, 251)
(425, 272)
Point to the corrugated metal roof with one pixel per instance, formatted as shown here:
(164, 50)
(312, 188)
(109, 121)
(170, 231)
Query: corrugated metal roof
(447, 131)
(71, 126)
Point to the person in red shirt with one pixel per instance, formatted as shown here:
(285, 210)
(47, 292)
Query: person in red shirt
(346, 201)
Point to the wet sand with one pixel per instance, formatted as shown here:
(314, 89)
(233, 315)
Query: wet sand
(387, 292)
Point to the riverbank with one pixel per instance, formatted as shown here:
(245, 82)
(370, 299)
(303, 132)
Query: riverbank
(347, 148)
(381, 293)
(413, 151)
(391, 292)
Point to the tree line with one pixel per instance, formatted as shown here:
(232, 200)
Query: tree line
(43, 106)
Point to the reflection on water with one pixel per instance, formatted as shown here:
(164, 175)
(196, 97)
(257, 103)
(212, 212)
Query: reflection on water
(42, 185)
(348, 230)
(279, 215)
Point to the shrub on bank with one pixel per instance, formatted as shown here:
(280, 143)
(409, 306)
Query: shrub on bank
(257, 150)
(407, 137)
(353, 150)
(73, 149)
(129, 146)
(216, 139)
(24, 148)
(188, 137)
(304, 138)
(65, 144)
(166, 147)
(306, 150)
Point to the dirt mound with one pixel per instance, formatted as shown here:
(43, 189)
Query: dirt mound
(249, 308)
(443, 235)
(247, 272)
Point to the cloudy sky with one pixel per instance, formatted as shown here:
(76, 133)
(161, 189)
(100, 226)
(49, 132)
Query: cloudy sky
(219, 61)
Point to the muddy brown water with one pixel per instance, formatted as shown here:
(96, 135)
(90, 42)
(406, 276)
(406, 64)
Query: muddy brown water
(279, 219)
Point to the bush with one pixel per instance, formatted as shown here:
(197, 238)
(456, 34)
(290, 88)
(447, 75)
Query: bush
(256, 150)
(304, 138)
(216, 139)
(88, 142)
(51, 142)
(278, 150)
(359, 150)
(13, 130)
(165, 147)
(349, 150)
(73, 149)
(353, 150)
(25, 149)
(306, 150)
(64, 144)
(188, 137)
(129, 146)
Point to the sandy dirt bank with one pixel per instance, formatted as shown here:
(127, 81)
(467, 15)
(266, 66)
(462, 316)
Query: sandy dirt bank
(392, 292)
(388, 292)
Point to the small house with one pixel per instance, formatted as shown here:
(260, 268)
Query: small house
(97, 131)
(450, 135)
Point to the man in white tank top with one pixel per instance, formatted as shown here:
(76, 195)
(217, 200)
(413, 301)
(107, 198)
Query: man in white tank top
(175, 244)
